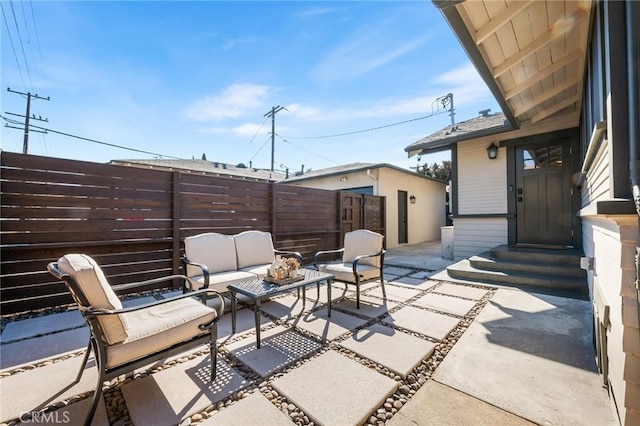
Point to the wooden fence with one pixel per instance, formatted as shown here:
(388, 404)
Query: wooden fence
(133, 221)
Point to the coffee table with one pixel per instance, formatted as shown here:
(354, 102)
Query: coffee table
(258, 289)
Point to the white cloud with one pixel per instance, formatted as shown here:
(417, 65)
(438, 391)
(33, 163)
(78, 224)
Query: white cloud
(230, 44)
(466, 85)
(249, 129)
(363, 53)
(235, 101)
(317, 11)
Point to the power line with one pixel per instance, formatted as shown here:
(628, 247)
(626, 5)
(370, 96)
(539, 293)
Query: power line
(367, 130)
(258, 131)
(24, 55)
(35, 27)
(15, 55)
(309, 151)
(96, 141)
(260, 149)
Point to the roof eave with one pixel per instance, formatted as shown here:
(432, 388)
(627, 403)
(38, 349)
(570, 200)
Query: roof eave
(444, 144)
(453, 18)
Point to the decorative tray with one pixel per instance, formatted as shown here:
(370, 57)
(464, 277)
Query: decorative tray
(284, 281)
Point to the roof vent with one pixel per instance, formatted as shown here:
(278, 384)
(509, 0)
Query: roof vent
(484, 112)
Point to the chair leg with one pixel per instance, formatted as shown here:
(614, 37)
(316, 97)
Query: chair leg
(357, 292)
(84, 362)
(96, 398)
(213, 351)
(384, 293)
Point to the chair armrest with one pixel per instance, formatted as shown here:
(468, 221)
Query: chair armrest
(202, 266)
(323, 252)
(364, 256)
(202, 294)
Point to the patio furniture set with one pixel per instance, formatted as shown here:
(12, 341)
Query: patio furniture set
(215, 266)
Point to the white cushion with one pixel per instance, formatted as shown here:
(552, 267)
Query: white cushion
(344, 271)
(93, 284)
(159, 327)
(217, 251)
(254, 248)
(257, 269)
(362, 242)
(218, 281)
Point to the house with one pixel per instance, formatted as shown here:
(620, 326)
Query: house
(562, 171)
(204, 167)
(415, 207)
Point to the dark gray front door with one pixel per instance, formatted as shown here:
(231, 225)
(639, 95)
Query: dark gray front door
(403, 232)
(543, 193)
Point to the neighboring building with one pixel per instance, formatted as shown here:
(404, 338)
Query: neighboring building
(567, 171)
(204, 167)
(416, 204)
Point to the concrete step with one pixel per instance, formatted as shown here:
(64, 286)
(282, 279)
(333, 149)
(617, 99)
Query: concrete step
(570, 256)
(486, 262)
(565, 286)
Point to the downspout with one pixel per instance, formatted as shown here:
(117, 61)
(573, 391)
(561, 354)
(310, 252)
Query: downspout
(633, 76)
(375, 182)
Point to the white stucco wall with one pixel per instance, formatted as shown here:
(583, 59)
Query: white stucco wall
(425, 217)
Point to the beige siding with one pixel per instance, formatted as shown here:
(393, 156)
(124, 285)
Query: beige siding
(482, 183)
(475, 235)
(597, 184)
(611, 241)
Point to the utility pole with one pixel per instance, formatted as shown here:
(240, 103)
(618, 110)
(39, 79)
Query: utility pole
(27, 116)
(272, 114)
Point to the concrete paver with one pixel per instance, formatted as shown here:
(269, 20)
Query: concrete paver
(44, 347)
(398, 351)
(448, 304)
(279, 347)
(395, 270)
(32, 327)
(168, 396)
(44, 386)
(369, 306)
(425, 322)
(394, 292)
(287, 307)
(436, 404)
(245, 323)
(461, 291)
(536, 360)
(417, 283)
(343, 391)
(327, 328)
(252, 410)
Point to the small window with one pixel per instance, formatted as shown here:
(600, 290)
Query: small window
(542, 157)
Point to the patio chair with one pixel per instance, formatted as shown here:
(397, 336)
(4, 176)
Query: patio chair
(124, 339)
(362, 260)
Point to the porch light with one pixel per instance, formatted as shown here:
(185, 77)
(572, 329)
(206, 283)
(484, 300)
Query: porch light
(412, 199)
(492, 151)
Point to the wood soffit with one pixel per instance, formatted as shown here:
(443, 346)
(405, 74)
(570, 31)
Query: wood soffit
(534, 51)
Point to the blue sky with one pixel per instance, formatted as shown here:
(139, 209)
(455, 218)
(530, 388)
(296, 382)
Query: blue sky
(180, 79)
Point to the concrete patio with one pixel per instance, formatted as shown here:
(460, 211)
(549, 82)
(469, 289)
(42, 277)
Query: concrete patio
(432, 352)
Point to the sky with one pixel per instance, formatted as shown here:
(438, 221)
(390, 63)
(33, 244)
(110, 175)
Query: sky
(358, 81)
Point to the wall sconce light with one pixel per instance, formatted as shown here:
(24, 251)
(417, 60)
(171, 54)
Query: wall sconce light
(492, 151)
(343, 178)
(412, 199)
